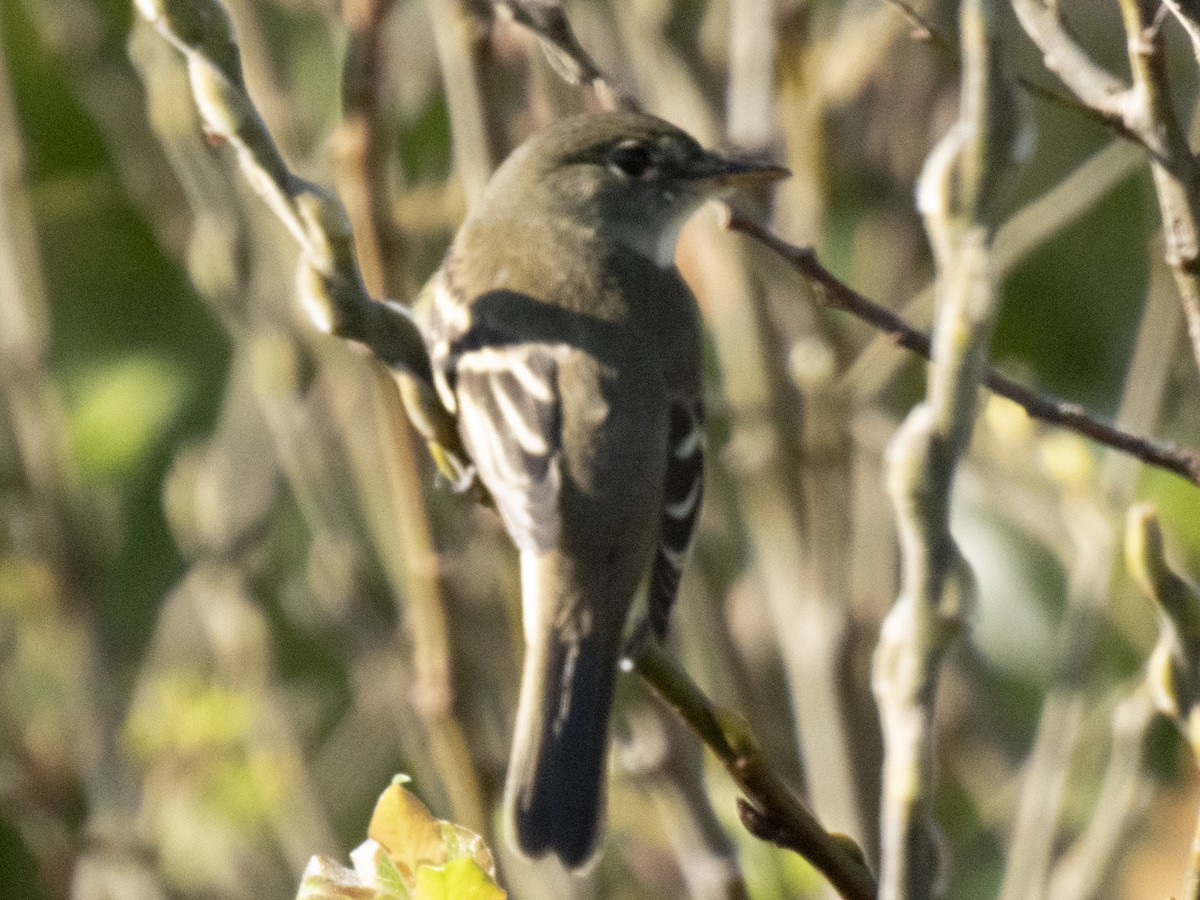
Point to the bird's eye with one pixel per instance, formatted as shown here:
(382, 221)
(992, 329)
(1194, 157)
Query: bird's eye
(632, 160)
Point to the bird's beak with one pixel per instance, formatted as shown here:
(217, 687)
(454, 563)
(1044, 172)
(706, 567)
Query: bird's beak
(739, 173)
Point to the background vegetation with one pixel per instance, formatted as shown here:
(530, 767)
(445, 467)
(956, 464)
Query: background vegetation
(233, 601)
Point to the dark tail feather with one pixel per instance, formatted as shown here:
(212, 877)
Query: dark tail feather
(554, 798)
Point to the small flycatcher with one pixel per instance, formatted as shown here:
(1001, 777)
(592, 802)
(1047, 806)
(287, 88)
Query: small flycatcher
(568, 347)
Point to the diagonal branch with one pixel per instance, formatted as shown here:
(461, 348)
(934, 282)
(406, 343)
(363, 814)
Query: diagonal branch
(923, 29)
(548, 20)
(331, 285)
(1189, 18)
(770, 809)
(1091, 83)
(1181, 461)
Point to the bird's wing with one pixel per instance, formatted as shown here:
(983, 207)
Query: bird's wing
(682, 489)
(509, 415)
(503, 388)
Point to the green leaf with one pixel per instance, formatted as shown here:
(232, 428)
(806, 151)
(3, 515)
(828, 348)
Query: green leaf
(459, 879)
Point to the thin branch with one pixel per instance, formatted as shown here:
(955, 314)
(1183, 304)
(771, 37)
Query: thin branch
(1072, 105)
(1164, 455)
(957, 195)
(1143, 111)
(1151, 113)
(331, 286)
(1025, 231)
(1124, 790)
(923, 29)
(775, 812)
(548, 20)
(1173, 673)
(1190, 20)
(1091, 83)
(402, 521)
(203, 33)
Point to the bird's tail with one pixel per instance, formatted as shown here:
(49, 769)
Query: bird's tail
(554, 798)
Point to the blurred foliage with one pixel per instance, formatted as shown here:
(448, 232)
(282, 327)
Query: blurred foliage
(207, 650)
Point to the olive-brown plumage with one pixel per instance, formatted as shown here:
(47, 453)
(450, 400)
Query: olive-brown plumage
(569, 349)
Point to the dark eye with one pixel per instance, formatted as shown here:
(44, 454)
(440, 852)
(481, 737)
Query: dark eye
(633, 160)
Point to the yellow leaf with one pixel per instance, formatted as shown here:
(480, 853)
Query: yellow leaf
(405, 827)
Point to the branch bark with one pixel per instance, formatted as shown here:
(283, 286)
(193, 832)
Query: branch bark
(957, 193)
(1181, 461)
(770, 809)
(1144, 112)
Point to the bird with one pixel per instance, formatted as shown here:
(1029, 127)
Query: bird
(569, 350)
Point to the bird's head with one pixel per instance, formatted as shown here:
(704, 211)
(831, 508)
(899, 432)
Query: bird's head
(631, 177)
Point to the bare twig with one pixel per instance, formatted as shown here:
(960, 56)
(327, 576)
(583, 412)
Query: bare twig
(1091, 83)
(1025, 231)
(331, 285)
(338, 300)
(837, 294)
(405, 521)
(1069, 103)
(1087, 866)
(771, 809)
(1144, 112)
(1189, 18)
(1151, 114)
(1174, 670)
(923, 29)
(957, 193)
(548, 20)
